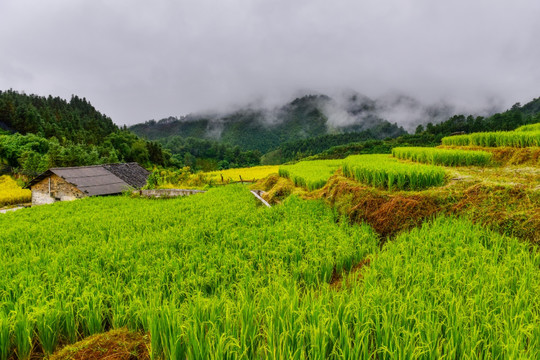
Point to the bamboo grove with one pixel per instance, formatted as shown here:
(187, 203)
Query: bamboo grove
(217, 276)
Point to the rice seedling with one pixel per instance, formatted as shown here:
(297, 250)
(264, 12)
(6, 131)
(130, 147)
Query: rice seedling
(11, 193)
(311, 175)
(446, 157)
(495, 139)
(48, 328)
(5, 342)
(383, 171)
(23, 329)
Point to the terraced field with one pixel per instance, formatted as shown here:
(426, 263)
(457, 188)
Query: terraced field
(383, 258)
(218, 276)
(11, 193)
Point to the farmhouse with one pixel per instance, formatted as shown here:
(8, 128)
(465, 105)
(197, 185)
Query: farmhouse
(70, 183)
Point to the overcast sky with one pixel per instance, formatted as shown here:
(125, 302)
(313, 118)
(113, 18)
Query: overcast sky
(139, 60)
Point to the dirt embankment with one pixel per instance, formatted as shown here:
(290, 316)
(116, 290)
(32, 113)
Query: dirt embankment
(508, 207)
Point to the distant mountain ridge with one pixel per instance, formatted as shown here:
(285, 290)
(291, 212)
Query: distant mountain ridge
(264, 130)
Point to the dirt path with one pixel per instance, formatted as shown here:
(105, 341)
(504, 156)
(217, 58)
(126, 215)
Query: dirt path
(3, 211)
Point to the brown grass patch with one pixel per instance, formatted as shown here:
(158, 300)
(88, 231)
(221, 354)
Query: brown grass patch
(512, 210)
(119, 344)
(388, 214)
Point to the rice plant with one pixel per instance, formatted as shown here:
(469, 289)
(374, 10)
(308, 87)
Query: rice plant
(246, 174)
(5, 343)
(495, 139)
(218, 276)
(453, 289)
(197, 256)
(383, 171)
(311, 175)
(11, 193)
(446, 157)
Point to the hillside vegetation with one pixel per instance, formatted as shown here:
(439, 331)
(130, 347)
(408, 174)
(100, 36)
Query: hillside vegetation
(428, 135)
(43, 132)
(307, 128)
(495, 186)
(265, 130)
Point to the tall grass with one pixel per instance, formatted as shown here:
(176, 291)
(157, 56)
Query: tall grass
(311, 175)
(446, 157)
(495, 139)
(383, 171)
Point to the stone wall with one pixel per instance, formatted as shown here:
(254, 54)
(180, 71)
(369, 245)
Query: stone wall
(60, 191)
(167, 193)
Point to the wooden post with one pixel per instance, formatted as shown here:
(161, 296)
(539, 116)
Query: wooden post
(221, 178)
(242, 181)
(254, 192)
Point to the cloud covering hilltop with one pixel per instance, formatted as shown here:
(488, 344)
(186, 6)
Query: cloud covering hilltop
(138, 60)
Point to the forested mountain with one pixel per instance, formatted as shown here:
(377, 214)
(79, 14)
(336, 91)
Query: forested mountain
(316, 123)
(207, 155)
(431, 135)
(299, 149)
(265, 130)
(43, 132)
(509, 120)
(76, 120)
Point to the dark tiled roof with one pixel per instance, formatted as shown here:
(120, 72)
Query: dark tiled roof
(100, 179)
(131, 173)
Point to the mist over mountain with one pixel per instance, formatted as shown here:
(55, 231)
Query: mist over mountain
(263, 128)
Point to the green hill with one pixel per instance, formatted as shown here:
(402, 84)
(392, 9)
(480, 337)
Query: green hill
(39, 132)
(266, 130)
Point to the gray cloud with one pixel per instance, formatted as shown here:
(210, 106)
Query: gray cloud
(137, 60)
